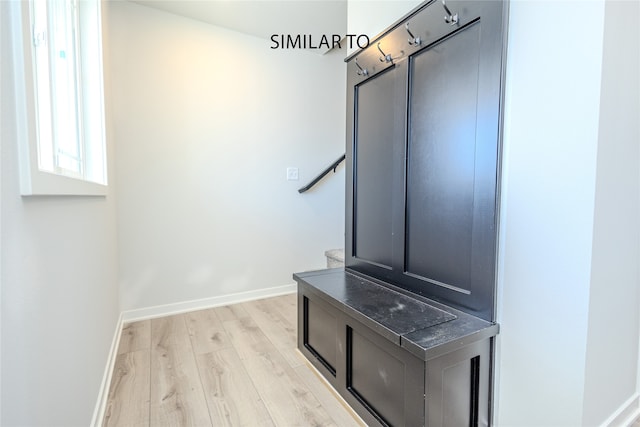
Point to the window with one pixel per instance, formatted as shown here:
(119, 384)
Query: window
(64, 140)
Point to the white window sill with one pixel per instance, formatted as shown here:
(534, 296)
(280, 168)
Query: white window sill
(41, 183)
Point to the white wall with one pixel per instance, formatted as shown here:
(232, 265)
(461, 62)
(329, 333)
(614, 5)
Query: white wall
(207, 121)
(614, 305)
(550, 146)
(568, 347)
(59, 288)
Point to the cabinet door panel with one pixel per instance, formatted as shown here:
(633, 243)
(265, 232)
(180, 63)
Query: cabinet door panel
(452, 170)
(379, 134)
(385, 380)
(320, 333)
(442, 147)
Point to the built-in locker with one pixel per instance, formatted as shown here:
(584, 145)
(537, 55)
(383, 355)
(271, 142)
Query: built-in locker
(405, 331)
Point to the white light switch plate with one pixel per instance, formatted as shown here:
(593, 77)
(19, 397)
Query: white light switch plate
(292, 174)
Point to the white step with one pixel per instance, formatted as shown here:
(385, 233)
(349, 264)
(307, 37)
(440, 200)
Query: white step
(335, 258)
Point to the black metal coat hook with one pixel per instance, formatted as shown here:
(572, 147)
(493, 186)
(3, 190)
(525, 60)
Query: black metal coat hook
(449, 18)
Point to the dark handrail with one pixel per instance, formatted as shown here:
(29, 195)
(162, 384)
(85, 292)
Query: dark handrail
(333, 166)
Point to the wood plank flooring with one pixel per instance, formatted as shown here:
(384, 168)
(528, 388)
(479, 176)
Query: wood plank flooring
(226, 366)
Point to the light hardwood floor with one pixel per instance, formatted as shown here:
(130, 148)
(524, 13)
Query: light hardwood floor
(226, 366)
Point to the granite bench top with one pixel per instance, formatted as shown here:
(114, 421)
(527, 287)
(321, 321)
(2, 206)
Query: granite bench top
(424, 327)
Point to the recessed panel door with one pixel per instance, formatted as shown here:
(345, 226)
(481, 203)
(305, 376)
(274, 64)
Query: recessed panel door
(378, 143)
(452, 170)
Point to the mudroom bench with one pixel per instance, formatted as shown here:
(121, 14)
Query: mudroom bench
(397, 358)
(405, 331)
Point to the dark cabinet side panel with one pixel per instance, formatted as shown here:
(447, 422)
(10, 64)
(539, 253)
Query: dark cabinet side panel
(458, 387)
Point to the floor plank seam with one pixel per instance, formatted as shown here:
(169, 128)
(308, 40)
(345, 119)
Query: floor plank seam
(197, 365)
(261, 392)
(150, 344)
(256, 386)
(244, 355)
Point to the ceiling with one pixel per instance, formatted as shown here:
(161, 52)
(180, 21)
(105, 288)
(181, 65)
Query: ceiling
(263, 18)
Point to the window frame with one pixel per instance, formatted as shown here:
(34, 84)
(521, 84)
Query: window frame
(33, 180)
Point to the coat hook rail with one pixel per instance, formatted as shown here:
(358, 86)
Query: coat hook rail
(450, 19)
(413, 41)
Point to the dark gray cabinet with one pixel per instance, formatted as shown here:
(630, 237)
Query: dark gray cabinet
(398, 359)
(405, 331)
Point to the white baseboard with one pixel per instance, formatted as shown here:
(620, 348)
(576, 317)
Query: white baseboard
(166, 310)
(626, 414)
(103, 394)
(201, 304)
